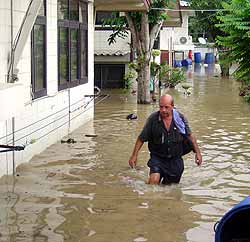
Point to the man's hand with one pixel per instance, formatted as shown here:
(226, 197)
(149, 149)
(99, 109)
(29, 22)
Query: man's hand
(198, 159)
(132, 161)
(133, 158)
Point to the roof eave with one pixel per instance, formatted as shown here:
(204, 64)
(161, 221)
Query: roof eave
(122, 6)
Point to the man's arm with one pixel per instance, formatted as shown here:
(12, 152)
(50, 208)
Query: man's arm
(133, 158)
(198, 157)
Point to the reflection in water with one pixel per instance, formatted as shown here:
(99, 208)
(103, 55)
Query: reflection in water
(209, 69)
(86, 191)
(197, 68)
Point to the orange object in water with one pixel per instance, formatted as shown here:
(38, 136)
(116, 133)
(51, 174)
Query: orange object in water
(190, 54)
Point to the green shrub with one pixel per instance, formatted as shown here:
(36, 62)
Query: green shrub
(170, 76)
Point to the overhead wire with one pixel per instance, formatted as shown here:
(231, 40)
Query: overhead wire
(42, 119)
(190, 10)
(207, 17)
(55, 120)
(51, 115)
(66, 122)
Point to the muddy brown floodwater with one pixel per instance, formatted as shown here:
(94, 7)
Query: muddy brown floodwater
(86, 192)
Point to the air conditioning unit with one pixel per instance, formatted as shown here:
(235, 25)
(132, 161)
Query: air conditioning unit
(183, 40)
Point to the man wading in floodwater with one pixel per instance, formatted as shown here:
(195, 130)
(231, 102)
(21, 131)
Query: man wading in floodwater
(169, 138)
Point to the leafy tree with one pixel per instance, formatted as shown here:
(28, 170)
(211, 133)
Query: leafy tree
(236, 24)
(203, 24)
(144, 28)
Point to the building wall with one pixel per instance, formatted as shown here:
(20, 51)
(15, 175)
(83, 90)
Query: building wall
(117, 53)
(102, 47)
(45, 120)
(170, 37)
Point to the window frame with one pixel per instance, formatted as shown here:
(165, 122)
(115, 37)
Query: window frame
(40, 20)
(79, 26)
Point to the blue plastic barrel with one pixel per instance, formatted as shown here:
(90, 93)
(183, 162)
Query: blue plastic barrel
(177, 63)
(186, 62)
(197, 57)
(234, 225)
(209, 58)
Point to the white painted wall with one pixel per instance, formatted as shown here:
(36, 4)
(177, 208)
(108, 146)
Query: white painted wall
(172, 35)
(36, 136)
(5, 38)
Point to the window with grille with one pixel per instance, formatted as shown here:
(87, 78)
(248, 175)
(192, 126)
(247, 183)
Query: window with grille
(72, 43)
(38, 54)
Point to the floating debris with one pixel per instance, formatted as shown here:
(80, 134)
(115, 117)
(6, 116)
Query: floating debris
(51, 174)
(91, 210)
(91, 232)
(185, 86)
(90, 135)
(143, 205)
(132, 116)
(140, 239)
(68, 141)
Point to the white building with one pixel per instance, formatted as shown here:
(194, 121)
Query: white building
(46, 71)
(174, 37)
(111, 61)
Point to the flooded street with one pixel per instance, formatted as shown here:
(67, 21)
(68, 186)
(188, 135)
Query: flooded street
(86, 191)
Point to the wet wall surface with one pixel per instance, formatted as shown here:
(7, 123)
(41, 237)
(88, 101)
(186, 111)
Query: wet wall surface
(85, 191)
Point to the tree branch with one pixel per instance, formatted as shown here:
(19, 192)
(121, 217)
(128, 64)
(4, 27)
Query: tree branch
(144, 33)
(135, 38)
(154, 33)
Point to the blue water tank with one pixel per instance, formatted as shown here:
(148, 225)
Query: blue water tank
(209, 58)
(177, 63)
(197, 57)
(186, 62)
(234, 225)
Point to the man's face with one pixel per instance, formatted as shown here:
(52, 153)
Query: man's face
(166, 107)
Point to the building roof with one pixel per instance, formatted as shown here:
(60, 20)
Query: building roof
(102, 47)
(174, 17)
(175, 14)
(122, 5)
(111, 53)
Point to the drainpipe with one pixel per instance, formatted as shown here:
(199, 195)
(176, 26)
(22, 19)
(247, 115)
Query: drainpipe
(22, 36)
(11, 73)
(11, 40)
